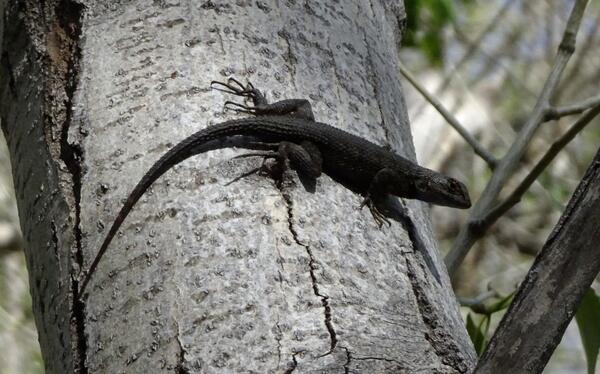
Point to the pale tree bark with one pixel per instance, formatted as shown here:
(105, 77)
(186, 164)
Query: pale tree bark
(208, 277)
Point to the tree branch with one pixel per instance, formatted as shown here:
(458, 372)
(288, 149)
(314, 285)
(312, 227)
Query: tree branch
(553, 113)
(509, 163)
(478, 148)
(552, 290)
(556, 147)
(587, 46)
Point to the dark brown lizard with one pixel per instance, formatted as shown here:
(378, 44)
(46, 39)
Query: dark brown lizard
(287, 131)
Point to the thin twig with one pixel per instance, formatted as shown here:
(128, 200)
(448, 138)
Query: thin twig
(581, 58)
(556, 147)
(506, 167)
(478, 148)
(553, 113)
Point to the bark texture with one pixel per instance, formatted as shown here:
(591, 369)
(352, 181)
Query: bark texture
(208, 277)
(550, 294)
(37, 67)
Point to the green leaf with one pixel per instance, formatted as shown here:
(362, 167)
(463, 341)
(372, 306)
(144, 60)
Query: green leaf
(432, 44)
(501, 304)
(476, 333)
(426, 21)
(412, 14)
(442, 12)
(587, 318)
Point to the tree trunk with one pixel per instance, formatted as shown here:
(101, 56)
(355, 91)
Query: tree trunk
(209, 277)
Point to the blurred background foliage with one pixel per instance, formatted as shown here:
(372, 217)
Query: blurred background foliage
(425, 26)
(486, 62)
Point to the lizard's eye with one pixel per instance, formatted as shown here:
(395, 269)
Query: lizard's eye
(456, 185)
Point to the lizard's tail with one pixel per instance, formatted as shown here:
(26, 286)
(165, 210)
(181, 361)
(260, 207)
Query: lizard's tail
(235, 133)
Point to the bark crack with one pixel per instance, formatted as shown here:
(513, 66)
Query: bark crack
(372, 358)
(293, 365)
(55, 244)
(278, 339)
(180, 368)
(311, 268)
(62, 38)
(348, 360)
(324, 301)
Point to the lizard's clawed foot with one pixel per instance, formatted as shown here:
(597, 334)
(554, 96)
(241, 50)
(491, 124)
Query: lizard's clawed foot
(235, 87)
(379, 217)
(240, 108)
(271, 151)
(263, 169)
(259, 170)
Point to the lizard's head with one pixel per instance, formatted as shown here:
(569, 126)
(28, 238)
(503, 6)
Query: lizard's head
(439, 189)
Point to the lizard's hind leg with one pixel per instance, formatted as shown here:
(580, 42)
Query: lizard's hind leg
(262, 169)
(247, 174)
(297, 108)
(235, 87)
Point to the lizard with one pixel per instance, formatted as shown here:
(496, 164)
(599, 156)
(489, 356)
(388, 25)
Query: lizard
(286, 131)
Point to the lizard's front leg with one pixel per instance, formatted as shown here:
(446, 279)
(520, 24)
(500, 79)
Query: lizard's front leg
(384, 182)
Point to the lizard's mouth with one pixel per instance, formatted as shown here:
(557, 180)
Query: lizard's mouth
(449, 201)
(462, 204)
(453, 195)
